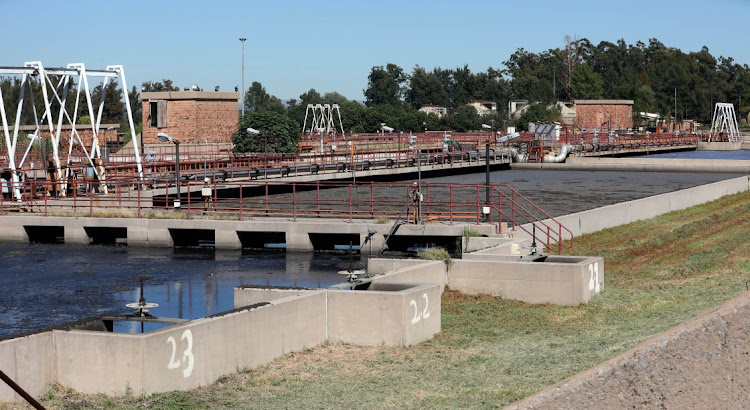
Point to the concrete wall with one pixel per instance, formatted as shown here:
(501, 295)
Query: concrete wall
(646, 165)
(407, 271)
(719, 146)
(391, 314)
(619, 214)
(29, 361)
(99, 362)
(560, 280)
(246, 296)
(702, 363)
(155, 232)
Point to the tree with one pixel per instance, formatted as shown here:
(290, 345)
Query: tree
(114, 108)
(257, 99)
(585, 83)
(425, 89)
(537, 113)
(333, 98)
(278, 133)
(163, 85)
(384, 85)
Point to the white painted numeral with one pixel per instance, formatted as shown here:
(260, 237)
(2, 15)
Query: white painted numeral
(426, 311)
(594, 277)
(424, 314)
(187, 354)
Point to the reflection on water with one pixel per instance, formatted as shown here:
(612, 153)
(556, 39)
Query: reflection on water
(45, 285)
(719, 155)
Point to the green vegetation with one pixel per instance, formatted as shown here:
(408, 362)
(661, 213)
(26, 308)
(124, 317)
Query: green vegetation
(492, 352)
(436, 254)
(470, 233)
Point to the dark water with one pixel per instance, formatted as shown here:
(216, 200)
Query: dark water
(566, 192)
(45, 285)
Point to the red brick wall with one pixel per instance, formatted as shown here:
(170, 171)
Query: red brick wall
(194, 121)
(591, 116)
(86, 136)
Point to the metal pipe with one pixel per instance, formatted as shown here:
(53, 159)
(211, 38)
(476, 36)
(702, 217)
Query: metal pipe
(20, 391)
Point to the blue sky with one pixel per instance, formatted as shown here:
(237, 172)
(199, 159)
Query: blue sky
(293, 46)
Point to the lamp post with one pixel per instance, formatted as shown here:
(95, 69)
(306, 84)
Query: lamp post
(487, 170)
(253, 131)
(163, 137)
(242, 95)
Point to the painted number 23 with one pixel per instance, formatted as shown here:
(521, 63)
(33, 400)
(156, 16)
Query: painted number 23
(424, 314)
(187, 354)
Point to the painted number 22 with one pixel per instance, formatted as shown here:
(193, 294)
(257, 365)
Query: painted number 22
(187, 354)
(594, 278)
(424, 314)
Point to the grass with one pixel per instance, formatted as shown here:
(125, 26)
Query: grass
(436, 254)
(492, 352)
(470, 233)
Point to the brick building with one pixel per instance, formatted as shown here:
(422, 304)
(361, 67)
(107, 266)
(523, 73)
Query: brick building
(190, 116)
(604, 114)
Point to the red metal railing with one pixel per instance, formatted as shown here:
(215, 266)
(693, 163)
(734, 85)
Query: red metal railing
(448, 203)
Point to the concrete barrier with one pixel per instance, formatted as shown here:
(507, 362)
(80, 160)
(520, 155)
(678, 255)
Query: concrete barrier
(392, 314)
(407, 271)
(561, 280)
(29, 361)
(719, 146)
(156, 232)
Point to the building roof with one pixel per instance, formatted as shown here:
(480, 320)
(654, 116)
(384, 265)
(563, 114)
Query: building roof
(603, 102)
(189, 95)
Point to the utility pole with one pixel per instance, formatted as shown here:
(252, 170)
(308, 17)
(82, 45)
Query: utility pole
(242, 91)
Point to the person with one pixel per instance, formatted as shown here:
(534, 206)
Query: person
(206, 193)
(416, 199)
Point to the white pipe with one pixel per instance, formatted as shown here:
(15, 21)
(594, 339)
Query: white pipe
(560, 157)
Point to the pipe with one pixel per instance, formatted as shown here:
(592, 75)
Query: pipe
(560, 157)
(514, 154)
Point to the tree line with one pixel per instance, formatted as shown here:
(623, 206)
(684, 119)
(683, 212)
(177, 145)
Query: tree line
(659, 79)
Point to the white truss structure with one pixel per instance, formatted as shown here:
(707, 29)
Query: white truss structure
(56, 95)
(725, 121)
(321, 117)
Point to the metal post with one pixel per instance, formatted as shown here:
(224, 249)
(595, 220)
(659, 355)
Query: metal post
(177, 172)
(242, 94)
(265, 156)
(487, 176)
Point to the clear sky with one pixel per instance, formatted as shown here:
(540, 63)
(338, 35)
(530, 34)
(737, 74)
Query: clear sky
(293, 46)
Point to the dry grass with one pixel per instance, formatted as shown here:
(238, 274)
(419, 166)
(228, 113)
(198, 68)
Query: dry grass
(492, 352)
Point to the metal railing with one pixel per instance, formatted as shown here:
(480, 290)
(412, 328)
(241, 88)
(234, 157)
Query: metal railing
(347, 201)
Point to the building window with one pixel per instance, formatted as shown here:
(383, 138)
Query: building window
(158, 114)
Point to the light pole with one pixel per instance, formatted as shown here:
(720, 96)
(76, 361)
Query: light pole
(487, 170)
(163, 137)
(253, 131)
(242, 95)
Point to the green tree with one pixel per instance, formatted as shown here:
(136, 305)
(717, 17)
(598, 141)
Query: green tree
(164, 85)
(384, 85)
(425, 89)
(585, 83)
(278, 133)
(537, 113)
(333, 98)
(257, 99)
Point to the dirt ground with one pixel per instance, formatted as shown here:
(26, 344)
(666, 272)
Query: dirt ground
(702, 363)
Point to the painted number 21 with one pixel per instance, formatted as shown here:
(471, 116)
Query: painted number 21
(187, 354)
(424, 314)
(594, 278)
